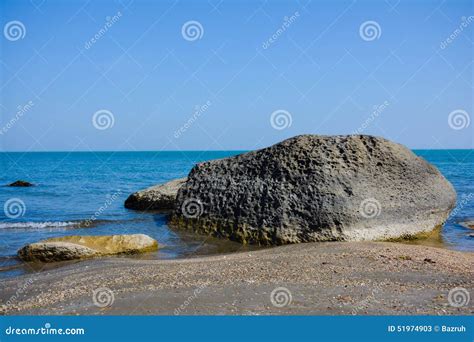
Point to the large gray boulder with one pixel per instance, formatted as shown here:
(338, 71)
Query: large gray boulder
(315, 188)
(82, 247)
(158, 197)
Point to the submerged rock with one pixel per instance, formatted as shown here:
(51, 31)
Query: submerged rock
(81, 247)
(468, 224)
(315, 188)
(20, 183)
(157, 197)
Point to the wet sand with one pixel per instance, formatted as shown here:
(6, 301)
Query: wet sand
(313, 278)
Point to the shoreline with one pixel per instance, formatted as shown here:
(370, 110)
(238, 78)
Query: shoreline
(331, 278)
(428, 239)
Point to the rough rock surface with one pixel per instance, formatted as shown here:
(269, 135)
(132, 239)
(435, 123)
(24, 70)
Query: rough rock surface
(81, 247)
(157, 197)
(316, 188)
(20, 183)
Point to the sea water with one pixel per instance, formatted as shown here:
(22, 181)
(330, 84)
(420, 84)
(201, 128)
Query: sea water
(82, 193)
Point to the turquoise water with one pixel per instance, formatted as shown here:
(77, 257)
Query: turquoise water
(75, 187)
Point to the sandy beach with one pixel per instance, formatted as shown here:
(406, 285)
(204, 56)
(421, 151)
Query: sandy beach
(375, 278)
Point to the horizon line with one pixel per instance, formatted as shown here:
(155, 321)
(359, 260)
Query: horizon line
(139, 151)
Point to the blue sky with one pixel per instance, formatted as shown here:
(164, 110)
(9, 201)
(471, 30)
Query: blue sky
(321, 71)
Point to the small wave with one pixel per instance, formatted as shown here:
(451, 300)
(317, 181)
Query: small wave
(60, 224)
(36, 225)
(48, 224)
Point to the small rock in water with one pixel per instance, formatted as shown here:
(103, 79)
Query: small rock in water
(21, 183)
(158, 197)
(467, 224)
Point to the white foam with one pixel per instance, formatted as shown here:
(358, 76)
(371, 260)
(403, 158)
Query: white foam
(37, 225)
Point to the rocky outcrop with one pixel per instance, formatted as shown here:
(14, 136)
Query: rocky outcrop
(315, 188)
(20, 183)
(81, 247)
(158, 197)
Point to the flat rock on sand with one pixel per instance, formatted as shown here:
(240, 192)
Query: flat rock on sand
(81, 247)
(330, 278)
(316, 188)
(158, 197)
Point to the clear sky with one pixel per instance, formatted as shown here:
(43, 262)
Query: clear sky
(320, 67)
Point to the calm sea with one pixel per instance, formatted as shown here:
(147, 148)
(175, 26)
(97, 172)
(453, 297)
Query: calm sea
(79, 186)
